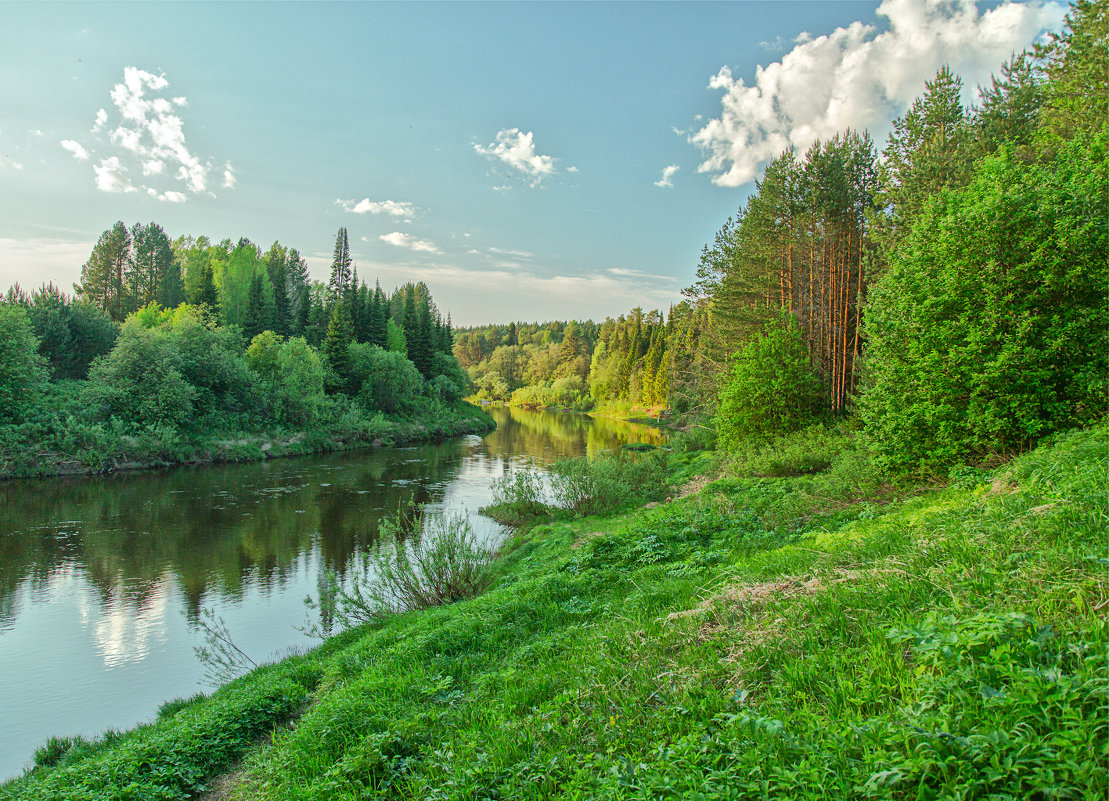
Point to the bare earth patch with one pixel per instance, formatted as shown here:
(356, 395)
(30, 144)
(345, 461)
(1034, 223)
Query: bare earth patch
(694, 485)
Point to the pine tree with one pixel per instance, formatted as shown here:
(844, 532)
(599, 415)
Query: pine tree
(102, 276)
(276, 272)
(252, 317)
(410, 323)
(927, 151)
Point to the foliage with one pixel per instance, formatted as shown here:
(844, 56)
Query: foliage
(223, 660)
(422, 560)
(386, 380)
(22, 370)
(990, 330)
(519, 497)
(175, 759)
(947, 643)
(771, 389)
(142, 380)
(608, 483)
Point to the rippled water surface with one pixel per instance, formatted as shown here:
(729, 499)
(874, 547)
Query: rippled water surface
(102, 579)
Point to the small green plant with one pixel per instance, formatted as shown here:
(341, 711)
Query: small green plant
(223, 660)
(518, 497)
(609, 482)
(440, 563)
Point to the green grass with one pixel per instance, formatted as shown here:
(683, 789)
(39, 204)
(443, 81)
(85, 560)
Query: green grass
(767, 637)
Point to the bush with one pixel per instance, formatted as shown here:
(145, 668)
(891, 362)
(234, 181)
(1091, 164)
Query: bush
(771, 389)
(386, 381)
(610, 482)
(22, 370)
(518, 497)
(141, 381)
(439, 563)
(990, 330)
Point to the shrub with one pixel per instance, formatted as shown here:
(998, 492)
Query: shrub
(439, 563)
(990, 329)
(518, 497)
(771, 390)
(609, 482)
(386, 381)
(22, 370)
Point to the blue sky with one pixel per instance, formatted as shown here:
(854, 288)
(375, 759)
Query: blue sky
(528, 161)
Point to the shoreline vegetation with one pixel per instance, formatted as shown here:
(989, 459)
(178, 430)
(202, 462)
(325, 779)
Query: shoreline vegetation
(128, 452)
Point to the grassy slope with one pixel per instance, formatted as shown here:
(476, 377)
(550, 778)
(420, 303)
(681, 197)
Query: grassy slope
(948, 645)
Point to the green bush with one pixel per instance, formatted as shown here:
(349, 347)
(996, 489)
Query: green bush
(22, 370)
(422, 560)
(771, 388)
(518, 497)
(991, 328)
(609, 482)
(141, 381)
(386, 381)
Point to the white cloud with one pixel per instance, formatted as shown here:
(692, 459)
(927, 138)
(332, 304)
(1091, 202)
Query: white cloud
(168, 196)
(7, 161)
(518, 254)
(149, 137)
(76, 148)
(397, 239)
(111, 176)
(667, 174)
(516, 149)
(393, 208)
(857, 77)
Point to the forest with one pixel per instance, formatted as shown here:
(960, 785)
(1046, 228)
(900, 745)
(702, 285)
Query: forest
(947, 295)
(185, 350)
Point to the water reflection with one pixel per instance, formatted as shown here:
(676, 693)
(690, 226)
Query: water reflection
(102, 579)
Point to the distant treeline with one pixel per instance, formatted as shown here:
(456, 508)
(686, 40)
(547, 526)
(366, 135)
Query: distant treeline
(950, 293)
(165, 343)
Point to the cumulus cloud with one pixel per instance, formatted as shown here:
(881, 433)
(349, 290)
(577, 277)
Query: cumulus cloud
(400, 240)
(76, 148)
(111, 176)
(516, 149)
(858, 77)
(149, 138)
(392, 208)
(7, 161)
(667, 174)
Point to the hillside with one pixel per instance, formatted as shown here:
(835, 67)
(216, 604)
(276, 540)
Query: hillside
(784, 637)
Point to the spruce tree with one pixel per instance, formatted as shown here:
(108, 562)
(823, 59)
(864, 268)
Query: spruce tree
(336, 350)
(340, 267)
(379, 316)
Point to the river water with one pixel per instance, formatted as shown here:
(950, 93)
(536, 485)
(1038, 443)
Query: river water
(103, 579)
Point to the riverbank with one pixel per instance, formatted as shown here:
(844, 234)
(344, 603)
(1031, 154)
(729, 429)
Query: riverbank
(758, 637)
(66, 447)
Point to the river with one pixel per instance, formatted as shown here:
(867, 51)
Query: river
(103, 579)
